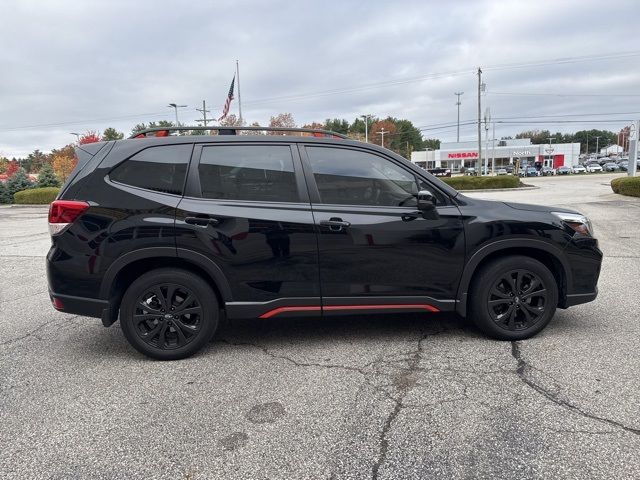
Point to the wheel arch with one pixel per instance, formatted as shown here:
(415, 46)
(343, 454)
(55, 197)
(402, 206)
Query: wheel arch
(549, 255)
(133, 264)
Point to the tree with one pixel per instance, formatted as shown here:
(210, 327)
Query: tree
(112, 134)
(4, 194)
(143, 126)
(19, 182)
(34, 161)
(47, 177)
(4, 164)
(406, 139)
(337, 125)
(284, 120)
(253, 132)
(375, 132)
(63, 165)
(89, 137)
(431, 143)
(12, 168)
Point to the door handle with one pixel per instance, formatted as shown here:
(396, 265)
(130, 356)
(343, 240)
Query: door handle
(202, 221)
(335, 224)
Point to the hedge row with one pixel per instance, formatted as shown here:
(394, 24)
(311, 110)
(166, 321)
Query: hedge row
(36, 196)
(468, 182)
(626, 186)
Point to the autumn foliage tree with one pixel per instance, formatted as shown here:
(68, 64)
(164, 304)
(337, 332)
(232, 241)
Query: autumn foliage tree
(375, 132)
(12, 168)
(63, 164)
(89, 137)
(284, 120)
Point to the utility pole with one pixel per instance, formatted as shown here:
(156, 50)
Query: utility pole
(458, 94)
(493, 149)
(176, 107)
(597, 142)
(487, 119)
(366, 127)
(633, 149)
(586, 151)
(204, 113)
(479, 122)
(381, 133)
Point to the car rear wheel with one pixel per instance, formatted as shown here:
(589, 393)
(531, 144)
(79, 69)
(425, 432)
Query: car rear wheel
(168, 314)
(513, 298)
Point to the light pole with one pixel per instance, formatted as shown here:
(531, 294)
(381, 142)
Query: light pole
(76, 134)
(366, 127)
(176, 107)
(458, 94)
(597, 141)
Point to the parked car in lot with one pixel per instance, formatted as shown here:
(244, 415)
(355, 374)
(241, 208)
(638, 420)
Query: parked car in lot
(593, 168)
(546, 171)
(611, 167)
(502, 171)
(564, 170)
(470, 171)
(170, 234)
(579, 169)
(509, 169)
(529, 171)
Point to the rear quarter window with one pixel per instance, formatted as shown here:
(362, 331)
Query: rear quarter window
(161, 169)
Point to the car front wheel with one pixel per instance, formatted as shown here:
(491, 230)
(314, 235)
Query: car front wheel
(513, 298)
(168, 314)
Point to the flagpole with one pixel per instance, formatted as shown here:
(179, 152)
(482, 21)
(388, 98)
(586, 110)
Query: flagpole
(239, 98)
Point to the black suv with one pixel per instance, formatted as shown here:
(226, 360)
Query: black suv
(171, 233)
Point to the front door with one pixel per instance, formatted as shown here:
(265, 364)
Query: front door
(375, 247)
(247, 210)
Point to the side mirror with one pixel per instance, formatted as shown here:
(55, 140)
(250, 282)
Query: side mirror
(426, 200)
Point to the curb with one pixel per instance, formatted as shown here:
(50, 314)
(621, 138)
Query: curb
(35, 205)
(516, 189)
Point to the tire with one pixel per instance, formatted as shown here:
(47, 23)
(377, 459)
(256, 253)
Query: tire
(169, 314)
(503, 313)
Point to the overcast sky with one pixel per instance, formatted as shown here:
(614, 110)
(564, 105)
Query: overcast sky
(86, 65)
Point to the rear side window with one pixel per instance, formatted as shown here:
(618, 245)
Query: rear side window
(248, 172)
(161, 169)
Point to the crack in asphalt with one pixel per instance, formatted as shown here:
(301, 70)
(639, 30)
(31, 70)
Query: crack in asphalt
(404, 384)
(522, 369)
(33, 333)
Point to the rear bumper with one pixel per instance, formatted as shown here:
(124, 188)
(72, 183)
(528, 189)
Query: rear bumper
(578, 298)
(87, 307)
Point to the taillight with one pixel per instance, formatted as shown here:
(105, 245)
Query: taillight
(63, 213)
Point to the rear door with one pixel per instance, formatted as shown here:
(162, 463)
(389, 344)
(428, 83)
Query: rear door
(247, 210)
(375, 247)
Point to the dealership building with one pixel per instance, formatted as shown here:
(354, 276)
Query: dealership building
(455, 155)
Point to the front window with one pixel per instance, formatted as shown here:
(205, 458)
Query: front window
(354, 177)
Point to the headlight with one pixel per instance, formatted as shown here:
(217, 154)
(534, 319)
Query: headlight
(577, 222)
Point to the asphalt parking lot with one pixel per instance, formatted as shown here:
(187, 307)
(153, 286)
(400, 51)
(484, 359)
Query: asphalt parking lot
(411, 396)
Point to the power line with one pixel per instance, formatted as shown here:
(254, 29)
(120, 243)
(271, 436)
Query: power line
(78, 122)
(523, 94)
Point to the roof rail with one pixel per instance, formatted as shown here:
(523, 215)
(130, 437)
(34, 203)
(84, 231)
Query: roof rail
(164, 131)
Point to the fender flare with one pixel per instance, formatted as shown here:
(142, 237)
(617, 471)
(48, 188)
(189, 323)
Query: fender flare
(198, 259)
(483, 252)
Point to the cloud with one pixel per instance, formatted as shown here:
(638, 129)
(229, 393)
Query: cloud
(77, 66)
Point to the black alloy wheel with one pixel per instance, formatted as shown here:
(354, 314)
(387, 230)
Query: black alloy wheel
(169, 313)
(517, 300)
(513, 298)
(168, 316)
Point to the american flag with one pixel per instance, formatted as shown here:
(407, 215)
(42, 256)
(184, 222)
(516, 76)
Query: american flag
(227, 102)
